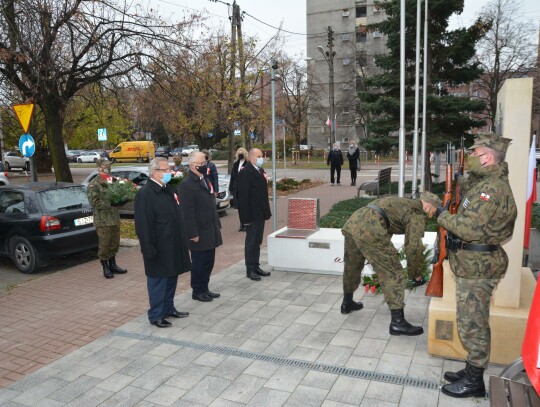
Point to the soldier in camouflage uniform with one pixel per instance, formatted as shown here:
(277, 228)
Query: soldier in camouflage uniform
(368, 234)
(106, 219)
(484, 220)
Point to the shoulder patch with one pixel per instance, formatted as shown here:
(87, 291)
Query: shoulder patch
(484, 197)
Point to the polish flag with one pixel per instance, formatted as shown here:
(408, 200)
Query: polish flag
(531, 192)
(531, 342)
(328, 121)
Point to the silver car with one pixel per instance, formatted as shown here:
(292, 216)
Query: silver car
(140, 176)
(3, 175)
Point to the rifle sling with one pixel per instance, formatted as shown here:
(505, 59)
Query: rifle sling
(381, 213)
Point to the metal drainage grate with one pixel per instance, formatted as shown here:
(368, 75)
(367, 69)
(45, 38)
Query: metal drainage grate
(278, 360)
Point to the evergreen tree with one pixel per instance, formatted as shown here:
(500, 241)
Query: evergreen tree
(450, 63)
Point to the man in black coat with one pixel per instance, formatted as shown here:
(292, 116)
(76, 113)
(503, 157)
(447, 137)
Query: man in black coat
(198, 203)
(159, 224)
(335, 160)
(254, 210)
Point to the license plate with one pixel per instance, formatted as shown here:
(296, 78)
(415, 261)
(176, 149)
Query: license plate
(84, 221)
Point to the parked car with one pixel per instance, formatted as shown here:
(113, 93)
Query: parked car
(189, 149)
(177, 150)
(224, 197)
(163, 152)
(3, 175)
(140, 175)
(72, 155)
(88, 157)
(14, 159)
(44, 220)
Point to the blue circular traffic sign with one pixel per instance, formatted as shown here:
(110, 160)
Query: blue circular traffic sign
(27, 146)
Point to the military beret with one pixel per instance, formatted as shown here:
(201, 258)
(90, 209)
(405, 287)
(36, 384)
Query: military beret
(103, 162)
(431, 198)
(491, 140)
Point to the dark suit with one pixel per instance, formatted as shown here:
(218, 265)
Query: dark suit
(201, 219)
(254, 210)
(159, 224)
(232, 183)
(335, 159)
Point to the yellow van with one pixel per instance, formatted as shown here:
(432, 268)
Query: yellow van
(129, 151)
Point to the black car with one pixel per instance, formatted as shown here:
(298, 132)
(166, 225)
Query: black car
(43, 220)
(72, 155)
(163, 152)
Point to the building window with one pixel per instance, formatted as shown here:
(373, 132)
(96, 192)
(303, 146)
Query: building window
(361, 11)
(345, 12)
(376, 34)
(361, 36)
(345, 36)
(346, 61)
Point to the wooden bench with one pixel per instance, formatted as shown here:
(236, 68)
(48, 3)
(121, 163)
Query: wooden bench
(508, 393)
(383, 178)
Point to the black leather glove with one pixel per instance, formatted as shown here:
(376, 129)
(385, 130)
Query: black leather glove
(441, 209)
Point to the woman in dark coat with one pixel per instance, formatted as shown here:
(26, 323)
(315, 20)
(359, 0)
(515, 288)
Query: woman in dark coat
(239, 163)
(354, 156)
(159, 224)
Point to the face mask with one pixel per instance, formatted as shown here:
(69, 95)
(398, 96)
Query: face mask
(260, 161)
(473, 162)
(335, 148)
(202, 169)
(166, 177)
(240, 156)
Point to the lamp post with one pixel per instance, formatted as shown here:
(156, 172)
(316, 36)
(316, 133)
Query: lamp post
(329, 58)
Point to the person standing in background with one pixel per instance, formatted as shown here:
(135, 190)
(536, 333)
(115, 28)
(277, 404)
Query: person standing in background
(202, 225)
(335, 160)
(212, 174)
(354, 156)
(254, 210)
(159, 224)
(241, 158)
(106, 219)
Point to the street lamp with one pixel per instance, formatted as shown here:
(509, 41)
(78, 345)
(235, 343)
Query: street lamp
(329, 58)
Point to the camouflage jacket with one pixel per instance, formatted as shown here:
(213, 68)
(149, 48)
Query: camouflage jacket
(486, 215)
(406, 217)
(104, 213)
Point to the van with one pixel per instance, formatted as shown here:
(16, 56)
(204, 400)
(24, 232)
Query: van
(129, 151)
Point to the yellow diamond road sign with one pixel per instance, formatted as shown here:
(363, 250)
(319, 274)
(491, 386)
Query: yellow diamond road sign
(24, 113)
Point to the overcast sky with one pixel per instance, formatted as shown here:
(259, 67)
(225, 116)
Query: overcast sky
(292, 13)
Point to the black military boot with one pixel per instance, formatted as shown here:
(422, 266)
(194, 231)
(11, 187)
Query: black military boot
(114, 268)
(399, 326)
(251, 274)
(349, 305)
(454, 376)
(470, 385)
(107, 273)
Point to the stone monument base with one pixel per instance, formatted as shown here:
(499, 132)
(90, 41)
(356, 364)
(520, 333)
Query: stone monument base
(507, 324)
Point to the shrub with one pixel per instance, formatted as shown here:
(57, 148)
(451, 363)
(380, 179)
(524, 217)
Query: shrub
(535, 219)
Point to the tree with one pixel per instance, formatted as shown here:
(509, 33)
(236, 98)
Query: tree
(295, 100)
(450, 64)
(52, 49)
(507, 50)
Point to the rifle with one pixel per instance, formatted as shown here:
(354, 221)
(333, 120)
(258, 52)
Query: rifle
(457, 194)
(435, 285)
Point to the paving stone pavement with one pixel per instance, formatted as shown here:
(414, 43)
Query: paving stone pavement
(278, 342)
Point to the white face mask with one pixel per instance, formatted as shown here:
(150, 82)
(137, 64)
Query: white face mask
(260, 161)
(335, 147)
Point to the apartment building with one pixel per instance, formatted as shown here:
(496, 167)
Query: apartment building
(339, 25)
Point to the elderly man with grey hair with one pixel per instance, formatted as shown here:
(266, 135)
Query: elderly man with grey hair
(159, 224)
(198, 204)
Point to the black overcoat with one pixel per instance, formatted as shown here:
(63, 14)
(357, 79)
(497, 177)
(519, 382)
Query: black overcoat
(159, 224)
(200, 213)
(252, 191)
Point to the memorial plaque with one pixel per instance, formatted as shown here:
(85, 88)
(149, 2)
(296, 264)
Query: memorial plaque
(444, 330)
(303, 213)
(319, 245)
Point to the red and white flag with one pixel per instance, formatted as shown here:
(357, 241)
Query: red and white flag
(328, 121)
(531, 192)
(531, 342)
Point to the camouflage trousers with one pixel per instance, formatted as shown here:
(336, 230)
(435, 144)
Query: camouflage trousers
(109, 241)
(472, 302)
(384, 258)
